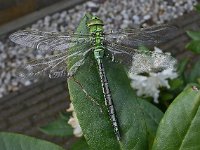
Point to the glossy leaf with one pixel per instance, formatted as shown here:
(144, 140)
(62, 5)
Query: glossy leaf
(179, 128)
(194, 46)
(195, 35)
(13, 141)
(138, 119)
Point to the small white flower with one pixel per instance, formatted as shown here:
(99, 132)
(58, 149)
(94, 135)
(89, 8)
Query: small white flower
(149, 85)
(73, 121)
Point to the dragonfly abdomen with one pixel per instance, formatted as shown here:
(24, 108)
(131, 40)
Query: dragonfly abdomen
(108, 98)
(96, 30)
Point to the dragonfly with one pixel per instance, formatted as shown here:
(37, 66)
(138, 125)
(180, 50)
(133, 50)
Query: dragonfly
(121, 44)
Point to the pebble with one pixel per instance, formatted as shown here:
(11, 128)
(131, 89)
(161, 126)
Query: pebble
(115, 13)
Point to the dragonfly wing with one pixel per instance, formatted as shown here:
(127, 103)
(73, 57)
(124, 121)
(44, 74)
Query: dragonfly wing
(52, 66)
(144, 36)
(47, 41)
(136, 61)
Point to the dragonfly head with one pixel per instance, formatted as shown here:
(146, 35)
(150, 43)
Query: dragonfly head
(95, 21)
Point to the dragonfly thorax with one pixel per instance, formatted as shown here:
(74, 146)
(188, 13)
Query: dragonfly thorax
(95, 26)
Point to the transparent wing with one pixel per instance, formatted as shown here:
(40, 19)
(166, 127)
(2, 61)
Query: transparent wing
(47, 41)
(136, 61)
(144, 36)
(52, 66)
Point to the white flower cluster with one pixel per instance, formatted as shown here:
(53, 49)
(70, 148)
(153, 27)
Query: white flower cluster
(73, 121)
(149, 85)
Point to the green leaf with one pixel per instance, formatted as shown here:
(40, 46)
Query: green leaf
(80, 144)
(194, 46)
(195, 35)
(143, 48)
(13, 141)
(179, 128)
(176, 83)
(64, 115)
(137, 119)
(166, 96)
(182, 65)
(194, 73)
(198, 7)
(152, 117)
(59, 127)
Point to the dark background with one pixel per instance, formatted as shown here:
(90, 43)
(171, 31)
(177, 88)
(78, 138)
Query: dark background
(12, 9)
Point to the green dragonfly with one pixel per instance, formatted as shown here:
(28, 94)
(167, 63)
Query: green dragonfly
(121, 44)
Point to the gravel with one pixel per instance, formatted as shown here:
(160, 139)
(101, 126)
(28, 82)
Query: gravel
(115, 13)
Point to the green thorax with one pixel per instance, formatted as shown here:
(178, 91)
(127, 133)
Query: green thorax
(96, 30)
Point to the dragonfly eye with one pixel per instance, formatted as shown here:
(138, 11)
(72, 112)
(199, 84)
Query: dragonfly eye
(95, 17)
